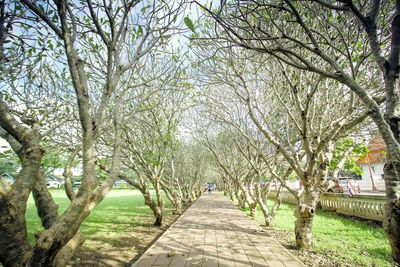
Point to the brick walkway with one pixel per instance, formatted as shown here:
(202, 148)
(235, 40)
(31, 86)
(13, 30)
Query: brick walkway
(212, 232)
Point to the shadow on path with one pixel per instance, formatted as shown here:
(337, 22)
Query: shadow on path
(213, 232)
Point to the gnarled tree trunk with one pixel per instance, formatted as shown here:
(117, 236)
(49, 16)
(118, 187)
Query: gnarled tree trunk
(46, 207)
(305, 213)
(159, 216)
(241, 201)
(174, 197)
(253, 207)
(159, 206)
(68, 251)
(15, 249)
(178, 208)
(261, 195)
(392, 215)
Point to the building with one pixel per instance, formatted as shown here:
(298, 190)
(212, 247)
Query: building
(372, 166)
(121, 184)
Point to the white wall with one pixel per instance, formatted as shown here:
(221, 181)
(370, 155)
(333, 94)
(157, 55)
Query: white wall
(75, 171)
(4, 146)
(377, 173)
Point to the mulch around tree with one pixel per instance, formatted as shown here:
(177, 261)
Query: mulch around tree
(111, 249)
(309, 258)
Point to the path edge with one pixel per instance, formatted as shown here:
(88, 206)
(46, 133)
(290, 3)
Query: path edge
(151, 244)
(260, 228)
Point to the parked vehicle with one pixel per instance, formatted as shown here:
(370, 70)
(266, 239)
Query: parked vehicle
(121, 184)
(294, 185)
(275, 185)
(342, 186)
(53, 182)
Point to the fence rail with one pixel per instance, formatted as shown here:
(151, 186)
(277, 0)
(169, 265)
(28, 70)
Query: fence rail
(364, 206)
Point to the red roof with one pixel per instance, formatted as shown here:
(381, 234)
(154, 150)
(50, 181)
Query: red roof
(377, 152)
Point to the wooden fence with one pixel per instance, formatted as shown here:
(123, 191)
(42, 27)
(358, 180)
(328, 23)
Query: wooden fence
(369, 207)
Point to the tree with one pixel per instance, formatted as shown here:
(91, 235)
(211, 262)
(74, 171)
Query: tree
(150, 139)
(343, 157)
(192, 165)
(238, 133)
(294, 112)
(95, 54)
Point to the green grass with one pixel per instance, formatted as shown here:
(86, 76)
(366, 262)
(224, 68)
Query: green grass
(120, 210)
(349, 242)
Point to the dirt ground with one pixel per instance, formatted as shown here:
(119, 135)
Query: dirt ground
(108, 249)
(309, 258)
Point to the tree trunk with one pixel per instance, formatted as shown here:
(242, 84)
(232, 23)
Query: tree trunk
(277, 204)
(253, 207)
(199, 191)
(193, 195)
(261, 196)
(175, 200)
(392, 218)
(14, 247)
(160, 204)
(51, 241)
(152, 205)
(174, 197)
(178, 207)
(264, 209)
(240, 198)
(46, 207)
(268, 220)
(305, 213)
(159, 217)
(241, 202)
(68, 251)
(231, 195)
(247, 196)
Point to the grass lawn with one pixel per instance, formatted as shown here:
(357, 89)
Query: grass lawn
(119, 227)
(347, 241)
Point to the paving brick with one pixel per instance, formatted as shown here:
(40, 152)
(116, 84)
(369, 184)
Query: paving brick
(214, 233)
(178, 261)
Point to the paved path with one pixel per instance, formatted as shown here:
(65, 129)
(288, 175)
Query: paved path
(213, 232)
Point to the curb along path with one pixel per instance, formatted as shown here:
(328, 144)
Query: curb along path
(213, 232)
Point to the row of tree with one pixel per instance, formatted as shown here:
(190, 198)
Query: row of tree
(100, 83)
(291, 85)
(267, 124)
(284, 91)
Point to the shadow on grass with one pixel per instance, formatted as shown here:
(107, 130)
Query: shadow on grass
(116, 254)
(119, 228)
(348, 240)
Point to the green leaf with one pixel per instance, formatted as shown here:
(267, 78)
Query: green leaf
(188, 22)
(139, 30)
(144, 9)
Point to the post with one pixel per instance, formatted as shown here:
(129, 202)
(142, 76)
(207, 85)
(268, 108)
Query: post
(370, 174)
